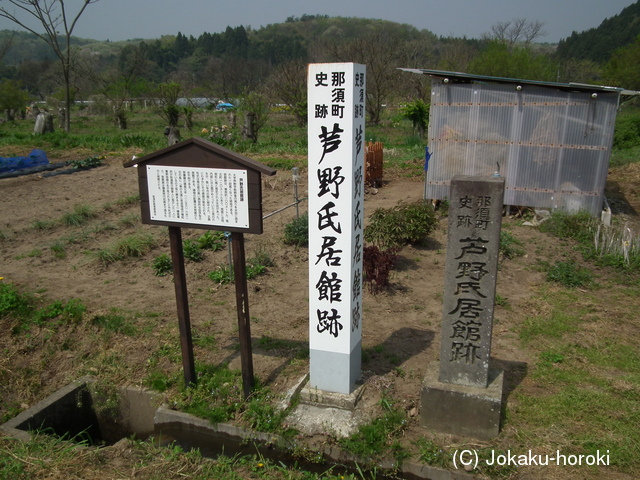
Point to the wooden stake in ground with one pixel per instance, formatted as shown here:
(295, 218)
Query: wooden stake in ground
(242, 302)
(182, 303)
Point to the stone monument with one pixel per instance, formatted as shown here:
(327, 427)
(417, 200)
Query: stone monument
(464, 396)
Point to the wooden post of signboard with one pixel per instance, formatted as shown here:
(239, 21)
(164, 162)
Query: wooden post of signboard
(242, 302)
(182, 302)
(198, 184)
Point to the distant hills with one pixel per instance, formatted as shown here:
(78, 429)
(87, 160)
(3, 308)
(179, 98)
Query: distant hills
(597, 44)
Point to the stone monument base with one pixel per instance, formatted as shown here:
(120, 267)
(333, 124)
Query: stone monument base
(460, 409)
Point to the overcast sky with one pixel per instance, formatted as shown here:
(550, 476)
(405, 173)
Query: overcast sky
(148, 19)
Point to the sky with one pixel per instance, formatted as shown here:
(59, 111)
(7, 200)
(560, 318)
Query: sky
(149, 19)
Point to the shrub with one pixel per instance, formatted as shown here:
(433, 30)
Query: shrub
(162, 265)
(377, 265)
(418, 113)
(395, 227)
(192, 251)
(213, 241)
(627, 132)
(296, 232)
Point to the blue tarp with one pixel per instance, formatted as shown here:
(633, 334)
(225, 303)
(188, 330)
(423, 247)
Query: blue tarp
(35, 158)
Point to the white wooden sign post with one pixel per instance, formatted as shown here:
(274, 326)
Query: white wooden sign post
(336, 99)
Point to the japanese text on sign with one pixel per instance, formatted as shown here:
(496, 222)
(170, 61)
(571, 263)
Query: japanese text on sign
(336, 159)
(207, 196)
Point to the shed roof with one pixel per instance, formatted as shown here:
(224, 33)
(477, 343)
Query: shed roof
(459, 77)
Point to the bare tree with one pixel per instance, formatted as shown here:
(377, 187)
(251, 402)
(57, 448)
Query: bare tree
(6, 45)
(288, 85)
(381, 51)
(52, 15)
(518, 30)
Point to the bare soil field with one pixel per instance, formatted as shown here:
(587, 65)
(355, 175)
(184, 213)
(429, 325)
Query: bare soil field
(401, 326)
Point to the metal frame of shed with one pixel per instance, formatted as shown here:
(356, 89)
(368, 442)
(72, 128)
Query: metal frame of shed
(551, 141)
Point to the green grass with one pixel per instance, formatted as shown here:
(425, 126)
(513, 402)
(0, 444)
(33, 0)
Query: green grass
(28, 311)
(218, 397)
(38, 457)
(115, 322)
(135, 245)
(588, 377)
(379, 438)
(510, 246)
(81, 215)
(570, 275)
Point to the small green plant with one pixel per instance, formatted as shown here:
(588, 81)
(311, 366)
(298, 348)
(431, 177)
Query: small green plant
(24, 309)
(89, 162)
(500, 300)
(192, 251)
(254, 269)
(42, 225)
(12, 302)
(162, 265)
(160, 381)
(257, 265)
(431, 453)
(296, 232)
(510, 246)
(548, 358)
(58, 249)
(222, 275)
(81, 215)
(569, 274)
(130, 220)
(212, 240)
(135, 245)
(393, 228)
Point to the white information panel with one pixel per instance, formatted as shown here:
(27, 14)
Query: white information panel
(207, 196)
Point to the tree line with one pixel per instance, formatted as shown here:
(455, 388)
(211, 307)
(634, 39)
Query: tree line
(271, 61)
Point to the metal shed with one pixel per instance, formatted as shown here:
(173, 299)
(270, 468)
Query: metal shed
(551, 141)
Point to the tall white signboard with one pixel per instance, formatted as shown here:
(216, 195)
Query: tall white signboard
(336, 111)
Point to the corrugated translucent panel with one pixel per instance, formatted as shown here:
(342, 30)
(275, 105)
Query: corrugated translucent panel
(553, 146)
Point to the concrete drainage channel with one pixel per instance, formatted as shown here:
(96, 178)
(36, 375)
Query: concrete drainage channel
(71, 413)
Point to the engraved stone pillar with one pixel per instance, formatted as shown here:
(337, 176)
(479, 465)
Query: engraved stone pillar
(465, 397)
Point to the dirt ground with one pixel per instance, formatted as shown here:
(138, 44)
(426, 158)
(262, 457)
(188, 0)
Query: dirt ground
(401, 326)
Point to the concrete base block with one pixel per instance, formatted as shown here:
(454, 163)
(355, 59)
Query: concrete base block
(460, 409)
(315, 396)
(323, 412)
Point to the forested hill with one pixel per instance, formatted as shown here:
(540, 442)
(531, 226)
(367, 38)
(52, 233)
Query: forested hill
(598, 44)
(274, 43)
